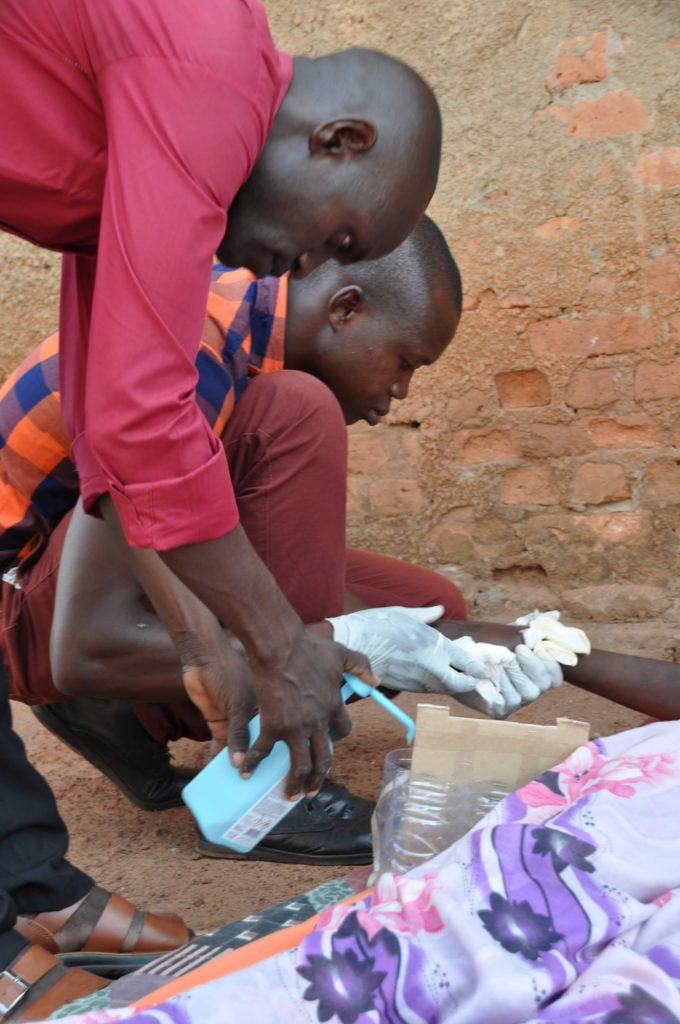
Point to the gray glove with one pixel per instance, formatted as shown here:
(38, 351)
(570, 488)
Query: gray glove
(408, 654)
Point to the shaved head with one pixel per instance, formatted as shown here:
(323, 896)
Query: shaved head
(347, 171)
(364, 330)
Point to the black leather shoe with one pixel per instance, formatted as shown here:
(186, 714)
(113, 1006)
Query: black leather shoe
(108, 734)
(333, 828)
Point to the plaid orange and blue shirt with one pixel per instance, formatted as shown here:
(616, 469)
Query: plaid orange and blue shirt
(243, 336)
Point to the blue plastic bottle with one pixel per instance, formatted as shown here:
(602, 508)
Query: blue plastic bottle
(237, 812)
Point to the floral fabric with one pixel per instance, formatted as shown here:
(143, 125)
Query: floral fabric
(561, 907)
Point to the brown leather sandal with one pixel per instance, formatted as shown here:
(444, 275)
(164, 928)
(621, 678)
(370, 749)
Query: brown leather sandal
(36, 984)
(104, 932)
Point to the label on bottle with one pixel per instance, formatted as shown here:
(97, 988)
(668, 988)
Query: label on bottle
(254, 825)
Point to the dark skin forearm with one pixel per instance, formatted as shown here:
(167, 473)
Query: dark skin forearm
(137, 661)
(105, 642)
(247, 596)
(650, 687)
(294, 673)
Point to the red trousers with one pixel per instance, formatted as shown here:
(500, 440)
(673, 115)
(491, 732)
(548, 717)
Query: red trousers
(286, 445)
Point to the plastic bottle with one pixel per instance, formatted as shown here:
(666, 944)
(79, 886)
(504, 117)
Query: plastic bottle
(238, 813)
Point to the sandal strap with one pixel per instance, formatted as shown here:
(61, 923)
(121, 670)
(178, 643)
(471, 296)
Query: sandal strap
(112, 924)
(122, 928)
(110, 931)
(73, 984)
(29, 966)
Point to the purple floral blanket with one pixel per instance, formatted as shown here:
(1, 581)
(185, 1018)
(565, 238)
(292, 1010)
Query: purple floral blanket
(563, 905)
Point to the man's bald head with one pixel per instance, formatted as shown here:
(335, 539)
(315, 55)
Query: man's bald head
(364, 330)
(349, 167)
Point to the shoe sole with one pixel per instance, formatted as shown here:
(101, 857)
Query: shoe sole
(45, 719)
(218, 852)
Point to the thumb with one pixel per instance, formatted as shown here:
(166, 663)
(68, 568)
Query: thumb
(426, 615)
(358, 665)
(239, 735)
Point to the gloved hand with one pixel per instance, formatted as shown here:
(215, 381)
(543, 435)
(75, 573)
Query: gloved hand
(550, 638)
(516, 678)
(408, 654)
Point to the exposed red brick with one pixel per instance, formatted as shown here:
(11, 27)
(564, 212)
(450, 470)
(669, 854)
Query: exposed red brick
(552, 440)
(522, 389)
(578, 61)
(660, 169)
(605, 334)
(634, 431)
(597, 483)
(558, 226)
(617, 113)
(394, 497)
(530, 485)
(466, 406)
(453, 544)
(494, 446)
(591, 389)
(663, 275)
(662, 481)
(657, 381)
(672, 44)
(614, 527)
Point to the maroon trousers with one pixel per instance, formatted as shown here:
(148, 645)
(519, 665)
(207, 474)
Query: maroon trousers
(286, 445)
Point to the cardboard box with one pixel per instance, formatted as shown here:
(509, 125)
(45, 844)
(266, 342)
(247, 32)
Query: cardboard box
(511, 753)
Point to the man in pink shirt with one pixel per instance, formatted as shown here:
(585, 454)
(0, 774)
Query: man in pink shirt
(137, 137)
(129, 130)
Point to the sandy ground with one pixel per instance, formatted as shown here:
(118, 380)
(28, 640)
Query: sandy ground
(151, 858)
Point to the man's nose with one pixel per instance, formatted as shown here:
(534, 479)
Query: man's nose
(308, 261)
(399, 389)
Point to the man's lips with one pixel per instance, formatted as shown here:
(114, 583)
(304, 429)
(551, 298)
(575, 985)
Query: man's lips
(373, 416)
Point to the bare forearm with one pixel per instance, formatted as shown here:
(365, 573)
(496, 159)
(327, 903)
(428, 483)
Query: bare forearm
(651, 687)
(189, 625)
(228, 576)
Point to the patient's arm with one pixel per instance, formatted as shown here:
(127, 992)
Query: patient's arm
(651, 687)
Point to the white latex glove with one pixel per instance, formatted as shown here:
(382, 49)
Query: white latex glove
(498, 697)
(547, 636)
(408, 654)
(516, 678)
(540, 667)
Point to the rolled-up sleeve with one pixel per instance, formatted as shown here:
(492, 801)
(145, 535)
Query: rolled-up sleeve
(173, 167)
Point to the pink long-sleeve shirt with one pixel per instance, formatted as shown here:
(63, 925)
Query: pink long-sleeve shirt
(126, 129)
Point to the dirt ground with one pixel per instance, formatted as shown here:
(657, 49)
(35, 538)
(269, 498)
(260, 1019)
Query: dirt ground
(151, 858)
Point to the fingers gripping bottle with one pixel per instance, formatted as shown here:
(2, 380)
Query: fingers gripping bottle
(238, 813)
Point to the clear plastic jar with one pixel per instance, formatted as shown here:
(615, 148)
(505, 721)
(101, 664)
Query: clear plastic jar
(418, 816)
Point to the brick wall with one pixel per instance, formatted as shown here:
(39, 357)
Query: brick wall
(539, 460)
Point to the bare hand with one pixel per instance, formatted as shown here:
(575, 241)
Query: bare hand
(300, 702)
(219, 683)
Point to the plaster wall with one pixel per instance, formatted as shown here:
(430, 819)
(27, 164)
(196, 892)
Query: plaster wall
(539, 461)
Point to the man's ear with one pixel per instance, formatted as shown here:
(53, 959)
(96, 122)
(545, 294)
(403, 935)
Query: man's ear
(346, 136)
(344, 304)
